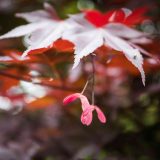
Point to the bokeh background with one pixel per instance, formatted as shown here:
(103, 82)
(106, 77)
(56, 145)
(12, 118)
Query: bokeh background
(43, 129)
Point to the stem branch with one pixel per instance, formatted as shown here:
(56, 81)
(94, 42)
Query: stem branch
(28, 79)
(93, 79)
(85, 86)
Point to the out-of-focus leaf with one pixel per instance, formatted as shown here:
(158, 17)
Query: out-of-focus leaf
(41, 103)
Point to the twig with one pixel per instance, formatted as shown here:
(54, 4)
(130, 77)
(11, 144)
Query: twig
(85, 86)
(27, 79)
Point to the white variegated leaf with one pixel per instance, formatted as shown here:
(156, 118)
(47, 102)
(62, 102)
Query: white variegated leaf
(141, 40)
(34, 38)
(34, 16)
(121, 30)
(44, 28)
(80, 20)
(132, 54)
(47, 39)
(142, 50)
(85, 43)
(40, 15)
(136, 58)
(23, 30)
(49, 8)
